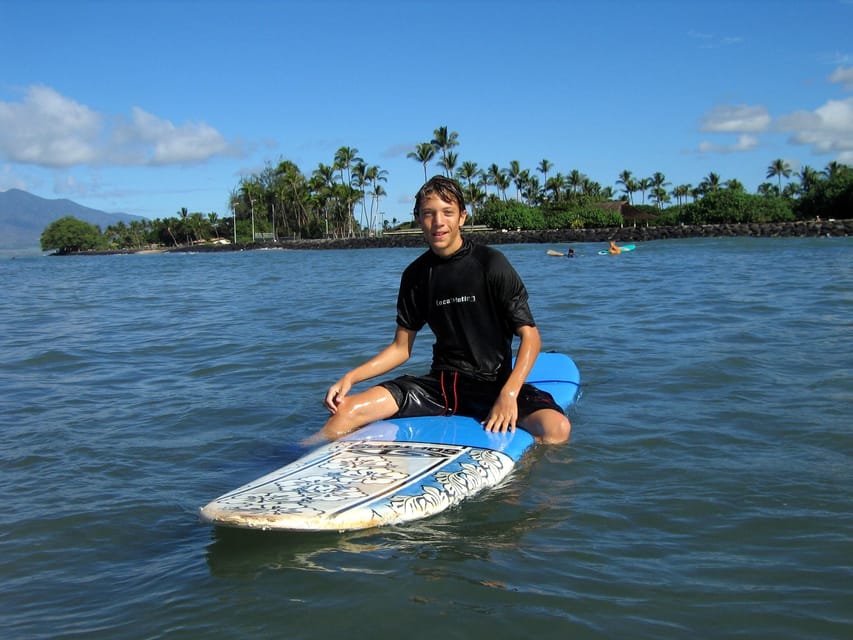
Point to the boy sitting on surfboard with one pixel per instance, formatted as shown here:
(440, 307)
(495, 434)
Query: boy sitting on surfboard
(474, 302)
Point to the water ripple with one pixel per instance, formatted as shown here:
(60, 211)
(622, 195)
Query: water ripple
(705, 491)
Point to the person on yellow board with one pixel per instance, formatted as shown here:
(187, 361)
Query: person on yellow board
(614, 249)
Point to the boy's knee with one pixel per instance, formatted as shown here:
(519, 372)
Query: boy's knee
(558, 433)
(553, 429)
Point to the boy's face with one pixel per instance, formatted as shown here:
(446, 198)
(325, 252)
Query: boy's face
(441, 223)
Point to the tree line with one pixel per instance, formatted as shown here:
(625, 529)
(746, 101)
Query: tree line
(343, 199)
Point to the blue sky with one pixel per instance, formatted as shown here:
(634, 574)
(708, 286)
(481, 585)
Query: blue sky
(147, 107)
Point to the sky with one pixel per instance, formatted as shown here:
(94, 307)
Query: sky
(148, 107)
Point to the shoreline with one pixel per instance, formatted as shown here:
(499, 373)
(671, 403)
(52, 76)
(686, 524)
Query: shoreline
(798, 229)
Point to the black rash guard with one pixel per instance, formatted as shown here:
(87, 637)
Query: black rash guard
(474, 302)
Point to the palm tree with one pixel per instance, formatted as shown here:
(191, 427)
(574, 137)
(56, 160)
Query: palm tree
(493, 175)
(345, 158)
(709, 184)
(423, 153)
(375, 195)
(448, 163)
(469, 171)
(502, 182)
(681, 191)
(643, 185)
(374, 175)
(251, 192)
(475, 196)
(574, 180)
(555, 185)
(116, 232)
(483, 184)
(514, 174)
(659, 180)
(323, 180)
(791, 190)
(233, 204)
(293, 192)
(592, 189)
(544, 167)
(659, 196)
(445, 141)
(531, 189)
(325, 174)
(195, 221)
(167, 225)
(779, 168)
(359, 182)
(834, 168)
(767, 189)
(808, 178)
(629, 185)
(213, 221)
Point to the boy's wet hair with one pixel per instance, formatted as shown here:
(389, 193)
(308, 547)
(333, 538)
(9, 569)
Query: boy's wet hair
(445, 188)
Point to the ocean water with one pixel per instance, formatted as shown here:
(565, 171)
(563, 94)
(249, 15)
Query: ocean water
(705, 492)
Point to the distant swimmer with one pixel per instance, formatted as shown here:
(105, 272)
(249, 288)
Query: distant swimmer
(571, 253)
(614, 249)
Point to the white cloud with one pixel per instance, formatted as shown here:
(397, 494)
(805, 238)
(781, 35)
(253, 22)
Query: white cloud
(844, 76)
(159, 142)
(398, 150)
(712, 40)
(740, 118)
(828, 129)
(744, 142)
(50, 130)
(9, 180)
(71, 186)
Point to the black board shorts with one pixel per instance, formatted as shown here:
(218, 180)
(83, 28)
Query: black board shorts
(446, 393)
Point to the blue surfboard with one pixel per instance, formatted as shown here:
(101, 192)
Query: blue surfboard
(389, 472)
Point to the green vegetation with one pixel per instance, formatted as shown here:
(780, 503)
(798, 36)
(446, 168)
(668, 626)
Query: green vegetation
(580, 214)
(511, 215)
(828, 196)
(343, 199)
(735, 206)
(182, 229)
(70, 235)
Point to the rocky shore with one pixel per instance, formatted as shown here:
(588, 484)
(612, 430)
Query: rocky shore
(802, 229)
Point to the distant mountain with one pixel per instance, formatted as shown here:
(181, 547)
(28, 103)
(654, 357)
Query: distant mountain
(24, 216)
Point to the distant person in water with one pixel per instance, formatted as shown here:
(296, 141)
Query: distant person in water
(614, 248)
(571, 253)
(475, 303)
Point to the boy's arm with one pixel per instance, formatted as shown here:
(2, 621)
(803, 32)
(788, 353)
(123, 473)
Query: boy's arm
(504, 413)
(389, 358)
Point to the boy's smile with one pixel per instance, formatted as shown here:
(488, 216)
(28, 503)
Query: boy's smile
(441, 223)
